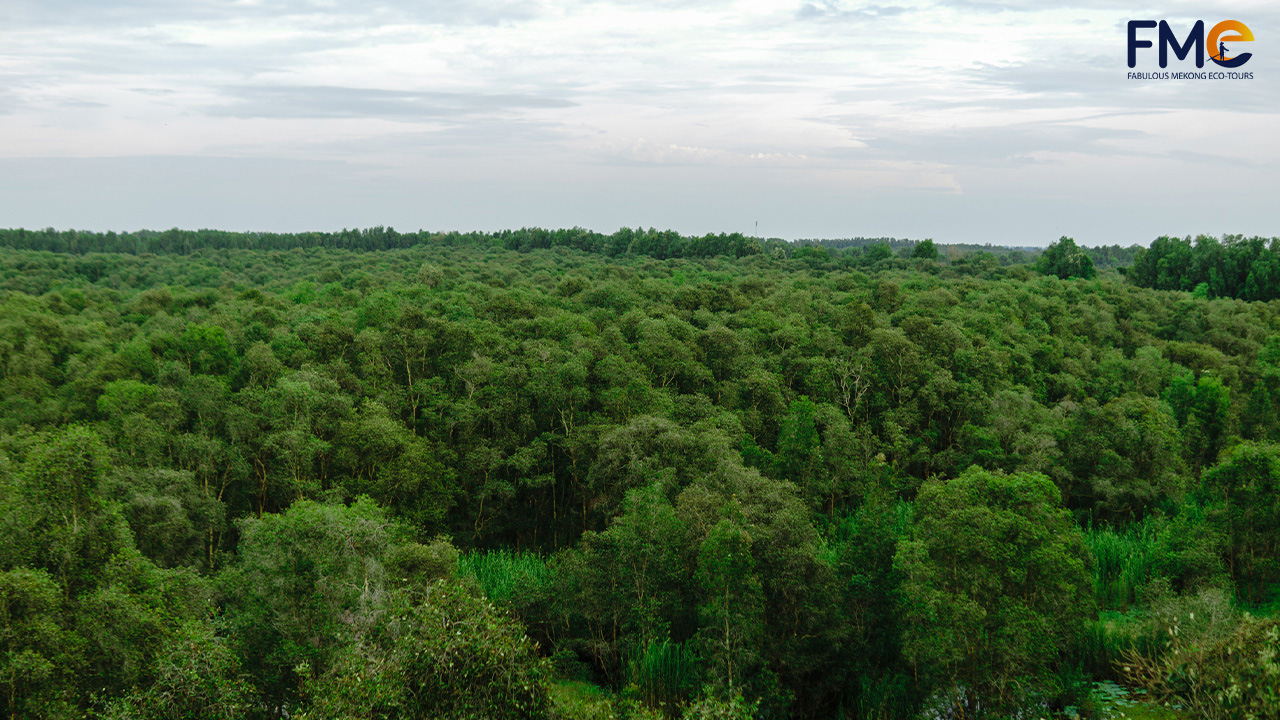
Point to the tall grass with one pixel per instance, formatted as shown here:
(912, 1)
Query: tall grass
(507, 576)
(883, 697)
(1105, 641)
(1124, 563)
(665, 674)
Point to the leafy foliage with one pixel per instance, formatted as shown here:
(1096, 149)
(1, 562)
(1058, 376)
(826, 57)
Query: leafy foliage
(382, 474)
(1233, 267)
(996, 586)
(451, 656)
(1066, 260)
(1218, 666)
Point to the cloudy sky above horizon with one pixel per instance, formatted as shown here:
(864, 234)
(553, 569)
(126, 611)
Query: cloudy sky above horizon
(1002, 121)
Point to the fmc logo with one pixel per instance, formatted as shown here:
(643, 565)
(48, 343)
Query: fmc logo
(1227, 31)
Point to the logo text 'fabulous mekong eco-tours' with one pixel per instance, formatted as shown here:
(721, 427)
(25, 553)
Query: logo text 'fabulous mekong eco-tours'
(1215, 45)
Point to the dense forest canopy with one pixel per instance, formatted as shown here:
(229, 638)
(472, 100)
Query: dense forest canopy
(565, 474)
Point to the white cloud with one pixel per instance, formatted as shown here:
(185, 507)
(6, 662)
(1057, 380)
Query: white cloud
(935, 112)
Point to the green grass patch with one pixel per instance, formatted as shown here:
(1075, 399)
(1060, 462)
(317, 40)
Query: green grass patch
(506, 575)
(1124, 563)
(664, 675)
(578, 700)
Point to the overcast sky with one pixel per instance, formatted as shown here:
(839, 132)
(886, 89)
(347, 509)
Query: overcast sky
(1002, 121)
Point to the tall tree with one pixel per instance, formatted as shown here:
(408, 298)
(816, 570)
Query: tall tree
(996, 588)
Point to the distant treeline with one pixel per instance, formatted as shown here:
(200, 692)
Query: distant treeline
(660, 244)
(908, 244)
(1248, 269)
(857, 242)
(1103, 256)
(1231, 267)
